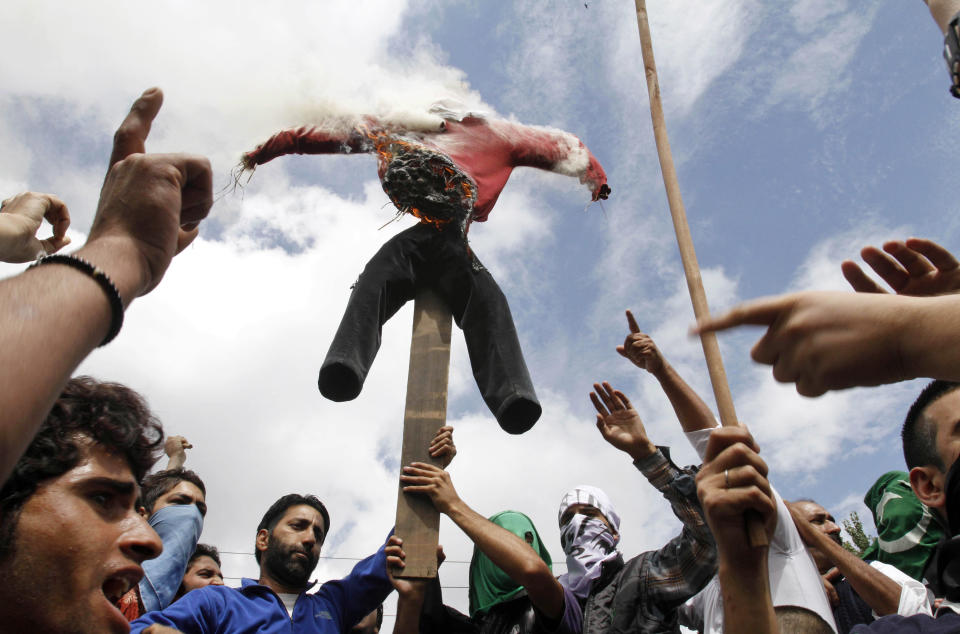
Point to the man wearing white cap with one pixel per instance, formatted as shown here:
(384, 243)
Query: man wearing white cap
(642, 594)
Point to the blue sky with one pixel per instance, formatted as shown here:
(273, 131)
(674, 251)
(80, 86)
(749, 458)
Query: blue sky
(801, 133)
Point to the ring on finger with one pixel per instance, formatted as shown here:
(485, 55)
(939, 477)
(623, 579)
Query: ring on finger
(726, 478)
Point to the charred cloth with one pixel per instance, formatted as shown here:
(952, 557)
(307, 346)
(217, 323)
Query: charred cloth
(427, 184)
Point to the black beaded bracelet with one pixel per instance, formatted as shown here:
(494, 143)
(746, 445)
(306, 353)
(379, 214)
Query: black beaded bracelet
(113, 295)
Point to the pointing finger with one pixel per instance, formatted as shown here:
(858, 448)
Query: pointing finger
(632, 323)
(759, 312)
(131, 136)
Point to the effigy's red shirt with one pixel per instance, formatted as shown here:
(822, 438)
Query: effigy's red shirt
(487, 151)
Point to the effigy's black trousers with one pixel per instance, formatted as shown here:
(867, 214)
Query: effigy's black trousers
(440, 259)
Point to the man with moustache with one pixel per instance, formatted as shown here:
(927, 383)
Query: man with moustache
(859, 591)
(287, 547)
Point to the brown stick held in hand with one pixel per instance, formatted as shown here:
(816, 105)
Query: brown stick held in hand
(711, 350)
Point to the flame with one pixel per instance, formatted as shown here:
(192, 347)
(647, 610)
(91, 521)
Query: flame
(384, 144)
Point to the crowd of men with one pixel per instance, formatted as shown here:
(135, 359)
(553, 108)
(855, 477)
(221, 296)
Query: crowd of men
(92, 541)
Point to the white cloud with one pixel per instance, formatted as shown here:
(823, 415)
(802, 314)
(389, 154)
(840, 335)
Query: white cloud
(818, 68)
(695, 46)
(809, 14)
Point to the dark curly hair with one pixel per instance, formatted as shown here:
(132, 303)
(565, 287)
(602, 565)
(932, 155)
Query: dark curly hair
(205, 550)
(109, 414)
(278, 508)
(159, 483)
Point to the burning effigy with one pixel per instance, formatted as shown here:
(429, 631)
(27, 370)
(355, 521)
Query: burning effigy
(447, 170)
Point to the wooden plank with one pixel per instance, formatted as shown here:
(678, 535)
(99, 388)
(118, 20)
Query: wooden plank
(418, 522)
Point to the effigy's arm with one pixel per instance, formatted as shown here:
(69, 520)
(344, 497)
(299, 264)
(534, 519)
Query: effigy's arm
(560, 152)
(307, 140)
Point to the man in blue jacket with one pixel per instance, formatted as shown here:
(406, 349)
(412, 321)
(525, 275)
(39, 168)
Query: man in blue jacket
(288, 544)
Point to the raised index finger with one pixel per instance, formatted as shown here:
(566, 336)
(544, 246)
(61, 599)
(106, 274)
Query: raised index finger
(131, 136)
(632, 323)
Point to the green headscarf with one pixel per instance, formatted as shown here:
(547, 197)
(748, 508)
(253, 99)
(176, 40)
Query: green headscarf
(489, 585)
(907, 531)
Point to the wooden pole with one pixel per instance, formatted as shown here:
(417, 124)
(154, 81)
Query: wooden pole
(418, 522)
(711, 349)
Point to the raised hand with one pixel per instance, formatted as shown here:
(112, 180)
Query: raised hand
(176, 445)
(912, 267)
(150, 204)
(619, 423)
(640, 348)
(176, 449)
(442, 447)
(20, 219)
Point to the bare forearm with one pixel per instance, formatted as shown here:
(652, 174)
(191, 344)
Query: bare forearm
(51, 318)
(690, 409)
(409, 606)
(747, 606)
(942, 11)
(176, 461)
(930, 345)
(880, 592)
(512, 555)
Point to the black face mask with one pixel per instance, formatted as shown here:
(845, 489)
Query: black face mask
(948, 552)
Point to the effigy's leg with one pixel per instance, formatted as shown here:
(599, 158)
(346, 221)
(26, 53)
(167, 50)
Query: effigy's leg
(481, 310)
(386, 284)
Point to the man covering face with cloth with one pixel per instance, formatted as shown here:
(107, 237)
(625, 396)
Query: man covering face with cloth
(643, 593)
(589, 534)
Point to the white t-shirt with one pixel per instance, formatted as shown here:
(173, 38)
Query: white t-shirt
(289, 600)
(794, 579)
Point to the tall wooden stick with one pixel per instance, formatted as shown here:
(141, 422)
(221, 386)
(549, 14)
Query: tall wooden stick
(711, 350)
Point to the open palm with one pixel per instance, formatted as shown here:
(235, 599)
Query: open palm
(912, 267)
(618, 422)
